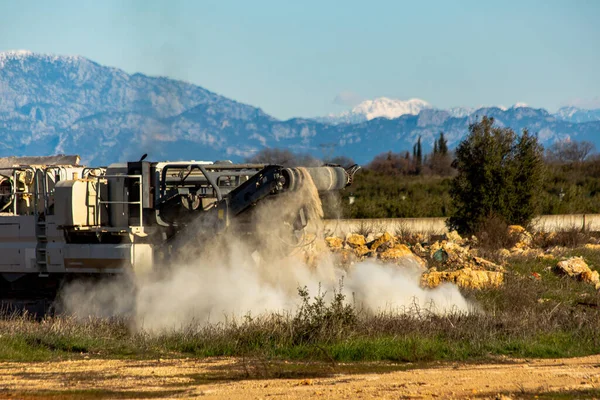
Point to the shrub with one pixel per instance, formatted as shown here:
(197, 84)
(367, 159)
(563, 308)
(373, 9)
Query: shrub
(316, 320)
(499, 174)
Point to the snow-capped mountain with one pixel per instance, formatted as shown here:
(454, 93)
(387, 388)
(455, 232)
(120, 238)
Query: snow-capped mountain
(575, 114)
(381, 107)
(390, 108)
(68, 104)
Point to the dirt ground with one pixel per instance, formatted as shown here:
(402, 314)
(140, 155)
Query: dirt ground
(237, 378)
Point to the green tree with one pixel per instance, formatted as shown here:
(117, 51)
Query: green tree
(418, 157)
(499, 175)
(528, 176)
(442, 144)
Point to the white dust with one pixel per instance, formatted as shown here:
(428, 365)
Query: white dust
(233, 278)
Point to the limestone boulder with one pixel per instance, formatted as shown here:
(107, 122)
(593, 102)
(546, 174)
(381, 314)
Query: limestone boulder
(454, 237)
(334, 243)
(396, 252)
(576, 267)
(479, 263)
(420, 251)
(557, 251)
(503, 254)
(523, 238)
(382, 243)
(361, 251)
(400, 253)
(515, 230)
(355, 240)
(465, 278)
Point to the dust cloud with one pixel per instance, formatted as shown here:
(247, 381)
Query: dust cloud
(236, 275)
(211, 293)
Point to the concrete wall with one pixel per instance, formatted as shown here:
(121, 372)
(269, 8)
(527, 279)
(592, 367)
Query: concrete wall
(379, 225)
(552, 223)
(438, 225)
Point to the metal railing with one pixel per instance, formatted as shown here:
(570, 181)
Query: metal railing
(40, 187)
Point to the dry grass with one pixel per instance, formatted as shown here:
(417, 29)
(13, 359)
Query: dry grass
(571, 237)
(493, 235)
(365, 228)
(407, 234)
(551, 317)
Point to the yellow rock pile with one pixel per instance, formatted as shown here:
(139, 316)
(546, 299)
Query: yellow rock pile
(451, 261)
(459, 266)
(384, 247)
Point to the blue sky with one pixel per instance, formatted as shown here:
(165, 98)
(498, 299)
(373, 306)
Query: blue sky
(293, 58)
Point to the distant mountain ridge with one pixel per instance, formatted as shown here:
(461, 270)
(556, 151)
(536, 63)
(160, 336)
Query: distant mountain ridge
(574, 114)
(68, 104)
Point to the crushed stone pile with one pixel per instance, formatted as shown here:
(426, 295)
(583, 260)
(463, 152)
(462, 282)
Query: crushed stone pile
(451, 258)
(355, 247)
(448, 260)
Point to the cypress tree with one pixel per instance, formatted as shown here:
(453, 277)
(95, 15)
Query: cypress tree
(419, 159)
(443, 144)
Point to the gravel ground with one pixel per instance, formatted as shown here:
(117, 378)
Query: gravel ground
(225, 378)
